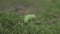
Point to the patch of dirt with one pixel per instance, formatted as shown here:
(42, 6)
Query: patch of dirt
(19, 8)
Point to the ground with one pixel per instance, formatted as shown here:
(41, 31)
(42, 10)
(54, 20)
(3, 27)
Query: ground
(47, 17)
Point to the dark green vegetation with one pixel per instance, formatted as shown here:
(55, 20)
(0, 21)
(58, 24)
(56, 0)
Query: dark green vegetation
(47, 21)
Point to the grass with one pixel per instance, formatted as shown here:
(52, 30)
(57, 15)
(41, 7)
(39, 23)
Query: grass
(47, 21)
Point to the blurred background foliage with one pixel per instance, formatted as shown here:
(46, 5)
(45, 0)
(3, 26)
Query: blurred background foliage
(47, 13)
